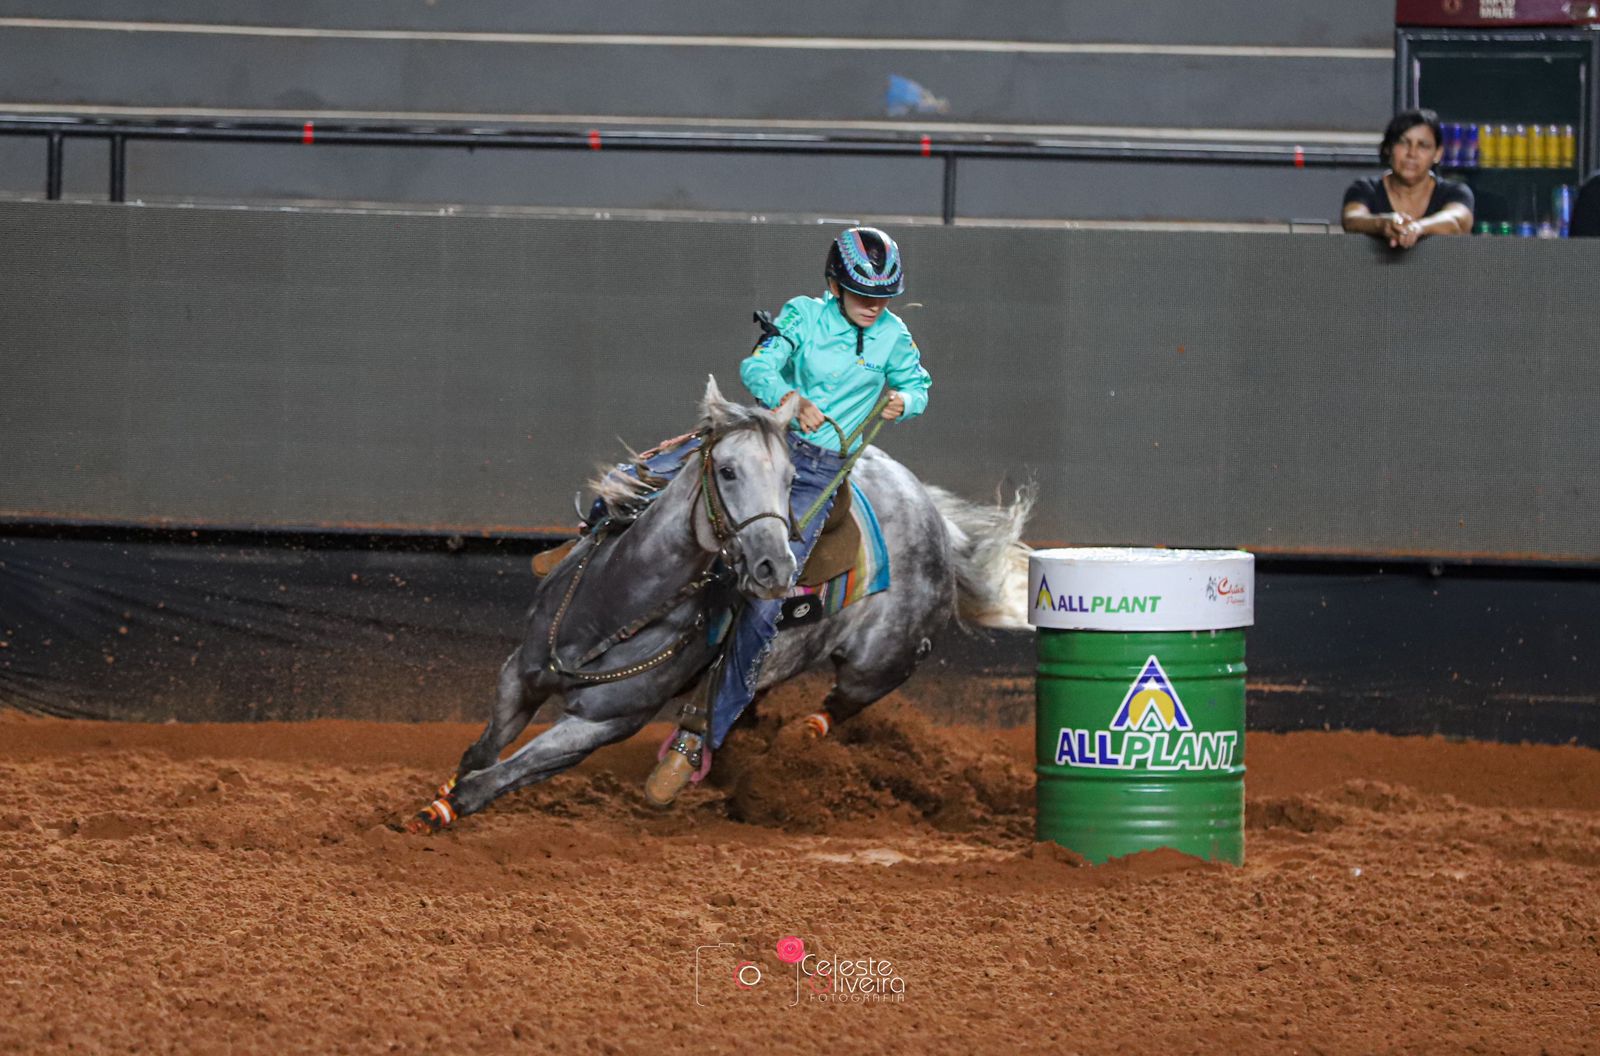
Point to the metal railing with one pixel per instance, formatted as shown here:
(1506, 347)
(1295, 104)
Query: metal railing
(948, 152)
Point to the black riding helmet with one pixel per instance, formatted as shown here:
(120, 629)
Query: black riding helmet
(866, 261)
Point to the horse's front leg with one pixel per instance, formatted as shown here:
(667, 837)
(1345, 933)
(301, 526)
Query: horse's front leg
(560, 747)
(514, 707)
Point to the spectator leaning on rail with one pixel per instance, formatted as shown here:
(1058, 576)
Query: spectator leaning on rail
(838, 356)
(1409, 202)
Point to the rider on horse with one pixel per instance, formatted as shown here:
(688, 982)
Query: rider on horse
(841, 357)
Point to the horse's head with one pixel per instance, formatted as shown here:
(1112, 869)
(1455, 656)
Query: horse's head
(745, 475)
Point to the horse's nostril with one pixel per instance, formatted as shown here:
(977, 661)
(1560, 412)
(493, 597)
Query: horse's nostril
(766, 571)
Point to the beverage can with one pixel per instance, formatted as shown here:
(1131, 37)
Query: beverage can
(1505, 228)
(1489, 146)
(1517, 157)
(1552, 146)
(1561, 210)
(1469, 146)
(1526, 229)
(1483, 227)
(1452, 144)
(1569, 147)
(1535, 147)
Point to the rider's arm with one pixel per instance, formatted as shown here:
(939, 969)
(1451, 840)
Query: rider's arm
(907, 376)
(765, 370)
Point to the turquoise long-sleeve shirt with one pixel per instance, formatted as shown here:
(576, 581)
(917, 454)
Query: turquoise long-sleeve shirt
(836, 365)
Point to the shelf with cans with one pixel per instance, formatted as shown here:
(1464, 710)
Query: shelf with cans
(1524, 175)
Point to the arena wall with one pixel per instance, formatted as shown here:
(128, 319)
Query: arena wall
(280, 465)
(432, 374)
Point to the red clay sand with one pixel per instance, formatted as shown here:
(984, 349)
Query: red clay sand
(241, 889)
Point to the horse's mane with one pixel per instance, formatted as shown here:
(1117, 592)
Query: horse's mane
(621, 489)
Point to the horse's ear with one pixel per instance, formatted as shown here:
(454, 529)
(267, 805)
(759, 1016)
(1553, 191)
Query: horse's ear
(786, 411)
(713, 408)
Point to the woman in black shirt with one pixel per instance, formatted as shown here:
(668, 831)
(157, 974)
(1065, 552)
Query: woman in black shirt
(1408, 202)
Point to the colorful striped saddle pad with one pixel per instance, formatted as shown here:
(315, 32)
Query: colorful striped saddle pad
(866, 576)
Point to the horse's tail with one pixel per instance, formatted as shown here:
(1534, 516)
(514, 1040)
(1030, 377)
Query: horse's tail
(989, 558)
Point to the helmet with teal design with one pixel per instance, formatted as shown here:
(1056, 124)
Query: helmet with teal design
(866, 261)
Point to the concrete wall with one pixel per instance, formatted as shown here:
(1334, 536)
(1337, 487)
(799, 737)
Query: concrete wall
(442, 374)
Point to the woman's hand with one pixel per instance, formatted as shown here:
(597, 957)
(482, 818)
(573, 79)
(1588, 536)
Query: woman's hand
(808, 414)
(1400, 229)
(894, 408)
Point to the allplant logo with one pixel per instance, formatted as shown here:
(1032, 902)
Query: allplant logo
(1150, 730)
(1048, 600)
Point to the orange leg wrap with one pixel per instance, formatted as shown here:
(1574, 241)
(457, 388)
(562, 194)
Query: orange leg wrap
(434, 817)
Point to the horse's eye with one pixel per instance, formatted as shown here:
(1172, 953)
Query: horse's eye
(727, 473)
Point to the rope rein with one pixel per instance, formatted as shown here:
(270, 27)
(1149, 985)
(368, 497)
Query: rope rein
(869, 427)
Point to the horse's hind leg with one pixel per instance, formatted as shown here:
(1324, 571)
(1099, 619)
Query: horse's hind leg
(862, 676)
(514, 707)
(561, 746)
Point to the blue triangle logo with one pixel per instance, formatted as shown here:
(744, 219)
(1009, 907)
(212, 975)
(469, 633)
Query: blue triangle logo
(1151, 703)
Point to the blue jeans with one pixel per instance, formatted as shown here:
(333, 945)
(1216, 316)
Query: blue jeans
(751, 637)
(664, 464)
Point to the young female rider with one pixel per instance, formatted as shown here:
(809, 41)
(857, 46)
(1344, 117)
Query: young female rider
(836, 356)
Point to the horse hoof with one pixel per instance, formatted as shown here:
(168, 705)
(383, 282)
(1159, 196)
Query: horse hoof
(435, 817)
(817, 724)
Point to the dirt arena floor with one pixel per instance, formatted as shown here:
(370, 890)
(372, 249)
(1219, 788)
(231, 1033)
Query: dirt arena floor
(221, 889)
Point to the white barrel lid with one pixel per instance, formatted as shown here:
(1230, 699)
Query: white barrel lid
(1113, 588)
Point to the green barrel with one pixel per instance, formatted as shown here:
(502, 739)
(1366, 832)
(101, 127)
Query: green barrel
(1172, 787)
(1141, 733)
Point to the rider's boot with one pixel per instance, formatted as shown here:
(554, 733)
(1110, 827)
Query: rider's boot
(684, 759)
(545, 561)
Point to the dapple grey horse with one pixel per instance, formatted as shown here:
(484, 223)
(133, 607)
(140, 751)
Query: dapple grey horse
(619, 627)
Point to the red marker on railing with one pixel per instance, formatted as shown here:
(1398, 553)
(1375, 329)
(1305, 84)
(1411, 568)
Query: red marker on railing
(927, 147)
(594, 139)
(308, 134)
(1299, 157)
